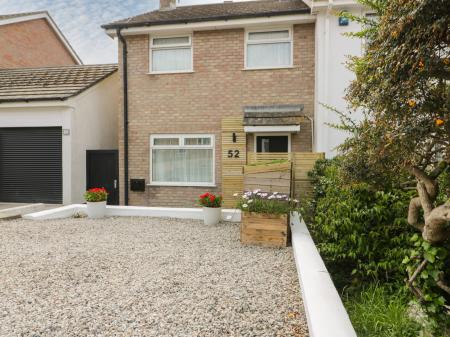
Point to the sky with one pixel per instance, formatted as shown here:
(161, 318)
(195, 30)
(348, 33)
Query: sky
(80, 21)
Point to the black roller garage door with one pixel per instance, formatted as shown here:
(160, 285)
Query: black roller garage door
(31, 165)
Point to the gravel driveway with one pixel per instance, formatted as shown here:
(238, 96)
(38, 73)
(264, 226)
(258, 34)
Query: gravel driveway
(143, 277)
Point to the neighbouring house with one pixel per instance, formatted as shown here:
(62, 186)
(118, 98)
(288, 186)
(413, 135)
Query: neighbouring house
(205, 87)
(33, 40)
(58, 133)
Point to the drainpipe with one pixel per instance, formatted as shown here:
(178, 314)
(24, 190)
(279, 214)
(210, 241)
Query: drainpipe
(125, 111)
(311, 120)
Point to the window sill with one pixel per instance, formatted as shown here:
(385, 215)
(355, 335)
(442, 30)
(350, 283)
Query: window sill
(171, 72)
(182, 185)
(270, 68)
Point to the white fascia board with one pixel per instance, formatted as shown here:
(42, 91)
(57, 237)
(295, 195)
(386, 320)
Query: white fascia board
(330, 4)
(52, 24)
(217, 25)
(38, 104)
(272, 128)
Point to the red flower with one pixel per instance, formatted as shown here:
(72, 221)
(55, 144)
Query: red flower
(212, 198)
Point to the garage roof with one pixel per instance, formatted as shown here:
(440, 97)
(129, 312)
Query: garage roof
(52, 83)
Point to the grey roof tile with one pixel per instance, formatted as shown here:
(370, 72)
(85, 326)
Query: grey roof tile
(211, 12)
(52, 83)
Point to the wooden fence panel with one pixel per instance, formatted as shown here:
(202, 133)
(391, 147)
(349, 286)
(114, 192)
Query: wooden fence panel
(303, 163)
(234, 157)
(268, 177)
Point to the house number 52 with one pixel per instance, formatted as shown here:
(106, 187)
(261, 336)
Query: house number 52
(233, 153)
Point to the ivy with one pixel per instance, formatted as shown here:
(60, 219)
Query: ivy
(437, 262)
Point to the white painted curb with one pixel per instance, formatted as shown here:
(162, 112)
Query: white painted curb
(19, 210)
(231, 215)
(325, 311)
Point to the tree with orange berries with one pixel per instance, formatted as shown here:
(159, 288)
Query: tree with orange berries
(402, 88)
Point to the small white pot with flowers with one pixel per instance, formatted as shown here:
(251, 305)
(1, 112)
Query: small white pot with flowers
(265, 218)
(212, 208)
(96, 202)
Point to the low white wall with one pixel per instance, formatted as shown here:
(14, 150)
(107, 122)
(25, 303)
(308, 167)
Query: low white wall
(231, 215)
(325, 311)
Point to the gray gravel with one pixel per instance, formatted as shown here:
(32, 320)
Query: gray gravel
(143, 277)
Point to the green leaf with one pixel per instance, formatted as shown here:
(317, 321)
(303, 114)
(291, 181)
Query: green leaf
(429, 257)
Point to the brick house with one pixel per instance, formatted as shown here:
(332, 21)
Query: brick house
(30, 40)
(187, 68)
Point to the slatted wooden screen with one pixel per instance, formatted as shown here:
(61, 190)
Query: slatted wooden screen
(303, 163)
(268, 177)
(234, 157)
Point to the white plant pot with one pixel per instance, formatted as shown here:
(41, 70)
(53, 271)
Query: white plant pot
(211, 215)
(96, 210)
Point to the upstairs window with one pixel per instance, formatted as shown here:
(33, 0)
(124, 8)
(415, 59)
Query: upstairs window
(171, 54)
(268, 49)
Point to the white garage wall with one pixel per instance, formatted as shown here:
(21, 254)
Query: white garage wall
(91, 118)
(94, 127)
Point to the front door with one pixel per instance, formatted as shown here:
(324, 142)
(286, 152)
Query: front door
(102, 170)
(272, 143)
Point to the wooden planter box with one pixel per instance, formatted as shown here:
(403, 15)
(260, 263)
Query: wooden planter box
(265, 229)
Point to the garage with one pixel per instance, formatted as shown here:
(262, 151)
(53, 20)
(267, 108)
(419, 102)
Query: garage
(31, 164)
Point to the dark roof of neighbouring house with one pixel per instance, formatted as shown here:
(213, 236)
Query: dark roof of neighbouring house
(213, 12)
(18, 15)
(52, 83)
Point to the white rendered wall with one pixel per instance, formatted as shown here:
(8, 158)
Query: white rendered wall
(39, 115)
(94, 127)
(332, 76)
(90, 118)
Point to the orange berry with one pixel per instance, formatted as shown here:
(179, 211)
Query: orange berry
(412, 103)
(439, 122)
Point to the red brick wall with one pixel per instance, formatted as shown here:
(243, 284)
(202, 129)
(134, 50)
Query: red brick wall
(32, 44)
(196, 102)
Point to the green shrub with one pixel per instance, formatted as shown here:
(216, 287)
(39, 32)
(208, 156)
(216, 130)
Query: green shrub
(361, 233)
(381, 312)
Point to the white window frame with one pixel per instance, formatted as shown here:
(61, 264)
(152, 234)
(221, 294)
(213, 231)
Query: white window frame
(170, 46)
(271, 134)
(273, 29)
(181, 145)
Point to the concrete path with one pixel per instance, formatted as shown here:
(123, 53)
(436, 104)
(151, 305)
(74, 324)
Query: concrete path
(16, 210)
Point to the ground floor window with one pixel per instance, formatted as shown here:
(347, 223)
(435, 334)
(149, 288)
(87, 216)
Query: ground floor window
(182, 160)
(272, 143)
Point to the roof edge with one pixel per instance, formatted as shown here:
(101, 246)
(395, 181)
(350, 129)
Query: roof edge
(211, 19)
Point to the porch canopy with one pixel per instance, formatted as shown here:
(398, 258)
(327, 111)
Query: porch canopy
(273, 118)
